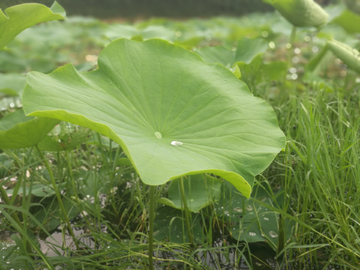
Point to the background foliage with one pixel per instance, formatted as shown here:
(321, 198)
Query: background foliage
(163, 8)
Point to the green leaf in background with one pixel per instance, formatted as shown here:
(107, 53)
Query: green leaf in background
(350, 56)
(131, 32)
(200, 191)
(169, 224)
(19, 131)
(12, 84)
(67, 141)
(49, 216)
(39, 190)
(251, 222)
(301, 12)
(246, 51)
(6, 163)
(172, 114)
(18, 18)
(349, 21)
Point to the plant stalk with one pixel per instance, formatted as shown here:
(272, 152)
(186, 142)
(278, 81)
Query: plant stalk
(151, 226)
(187, 213)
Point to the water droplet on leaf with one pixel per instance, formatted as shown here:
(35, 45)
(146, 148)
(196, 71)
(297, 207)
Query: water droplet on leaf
(176, 143)
(273, 234)
(238, 209)
(158, 135)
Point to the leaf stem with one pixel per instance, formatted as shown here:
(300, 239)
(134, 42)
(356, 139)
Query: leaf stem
(186, 210)
(292, 43)
(151, 226)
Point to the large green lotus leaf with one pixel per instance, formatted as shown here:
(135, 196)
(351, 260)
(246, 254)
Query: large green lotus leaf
(200, 191)
(18, 130)
(350, 56)
(12, 84)
(18, 18)
(246, 51)
(301, 12)
(172, 114)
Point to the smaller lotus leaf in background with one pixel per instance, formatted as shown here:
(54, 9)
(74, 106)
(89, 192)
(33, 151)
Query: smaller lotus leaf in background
(19, 131)
(169, 224)
(49, 216)
(6, 163)
(172, 114)
(250, 221)
(12, 84)
(301, 12)
(66, 141)
(200, 191)
(246, 51)
(18, 18)
(349, 21)
(131, 32)
(39, 190)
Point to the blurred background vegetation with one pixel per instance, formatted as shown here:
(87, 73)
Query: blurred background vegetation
(159, 8)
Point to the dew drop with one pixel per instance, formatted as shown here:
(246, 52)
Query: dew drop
(238, 209)
(295, 60)
(176, 143)
(272, 45)
(273, 234)
(158, 135)
(292, 70)
(252, 233)
(178, 33)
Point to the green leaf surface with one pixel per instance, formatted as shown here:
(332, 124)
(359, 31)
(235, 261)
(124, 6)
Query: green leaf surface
(348, 20)
(63, 142)
(18, 18)
(6, 163)
(172, 114)
(301, 12)
(49, 216)
(170, 223)
(131, 32)
(200, 191)
(251, 222)
(39, 190)
(246, 51)
(18, 130)
(12, 84)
